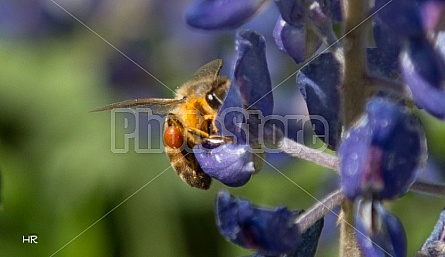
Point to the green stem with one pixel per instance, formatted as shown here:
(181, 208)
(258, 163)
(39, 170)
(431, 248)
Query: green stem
(354, 95)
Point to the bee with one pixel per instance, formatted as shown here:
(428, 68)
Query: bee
(190, 120)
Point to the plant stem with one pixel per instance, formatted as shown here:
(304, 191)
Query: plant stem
(319, 210)
(428, 188)
(301, 151)
(354, 95)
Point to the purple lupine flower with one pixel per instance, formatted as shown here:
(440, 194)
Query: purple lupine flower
(234, 163)
(221, 14)
(269, 231)
(379, 233)
(383, 152)
(424, 71)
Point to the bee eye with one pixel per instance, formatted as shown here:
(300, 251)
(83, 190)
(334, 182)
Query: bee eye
(213, 100)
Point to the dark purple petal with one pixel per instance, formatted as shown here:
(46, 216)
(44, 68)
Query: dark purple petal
(383, 152)
(424, 72)
(270, 231)
(309, 241)
(308, 245)
(231, 116)
(334, 9)
(389, 45)
(319, 84)
(382, 65)
(291, 39)
(251, 72)
(231, 164)
(221, 14)
(379, 233)
(291, 11)
(401, 16)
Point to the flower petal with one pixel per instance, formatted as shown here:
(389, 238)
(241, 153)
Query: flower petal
(270, 231)
(291, 39)
(379, 233)
(319, 84)
(221, 14)
(401, 16)
(389, 45)
(251, 72)
(231, 164)
(291, 11)
(383, 152)
(424, 72)
(334, 9)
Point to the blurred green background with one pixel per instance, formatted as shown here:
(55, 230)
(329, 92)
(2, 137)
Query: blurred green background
(60, 180)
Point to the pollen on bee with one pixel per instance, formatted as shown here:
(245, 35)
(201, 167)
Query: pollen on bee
(173, 137)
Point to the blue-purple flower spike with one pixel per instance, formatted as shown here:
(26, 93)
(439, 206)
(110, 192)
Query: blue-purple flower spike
(382, 154)
(424, 72)
(269, 231)
(379, 233)
(435, 244)
(221, 14)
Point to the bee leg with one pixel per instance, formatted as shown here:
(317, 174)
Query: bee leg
(198, 132)
(212, 127)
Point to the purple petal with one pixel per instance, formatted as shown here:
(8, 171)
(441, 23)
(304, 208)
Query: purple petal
(291, 39)
(379, 233)
(334, 9)
(231, 164)
(231, 116)
(221, 14)
(434, 245)
(383, 152)
(319, 83)
(251, 72)
(270, 231)
(291, 11)
(381, 64)
(388, 43)
(424, 72)
(401, 16)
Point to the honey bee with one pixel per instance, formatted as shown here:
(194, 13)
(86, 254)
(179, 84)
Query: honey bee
(190, 120)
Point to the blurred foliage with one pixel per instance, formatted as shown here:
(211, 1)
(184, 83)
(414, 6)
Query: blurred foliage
(61, 182)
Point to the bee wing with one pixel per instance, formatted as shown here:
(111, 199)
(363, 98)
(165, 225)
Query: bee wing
(158, 105)
(209, 70)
